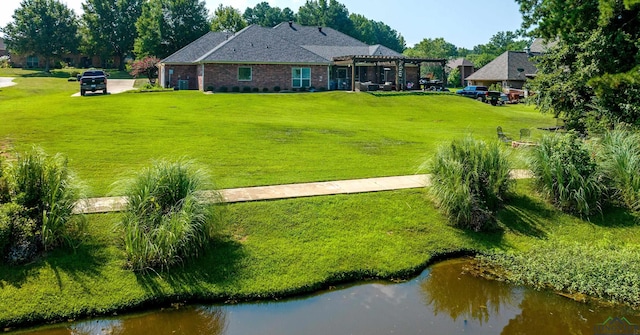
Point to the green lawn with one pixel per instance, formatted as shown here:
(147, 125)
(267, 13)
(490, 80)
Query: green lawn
(270, 248)
(246, 139)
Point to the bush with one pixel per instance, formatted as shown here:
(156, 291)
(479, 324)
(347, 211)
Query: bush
(567, 174)
(246, 89)
(470, 181)
(166, 220)
(235, 89)
(255, 90)
(210, 88)
(265, 90)
(223, 89)
(276, 88)
(45, 187)
(37, 197)
(5, 62)
(620, 161)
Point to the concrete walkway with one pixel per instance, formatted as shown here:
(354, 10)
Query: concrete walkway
(115, 204)
(6, 81)
(114, 86)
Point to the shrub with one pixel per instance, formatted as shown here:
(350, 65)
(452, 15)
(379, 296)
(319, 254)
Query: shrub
(4, 183)
(276, 88)
(255, 90)
(567, 174)
(620, 161)
(265, 90)
(166, 220)
(210, 88)
(246, 89)
(223, 89)
(47, 190)
(5, 62)
(470, 181)
(235, 89)
(147, 66)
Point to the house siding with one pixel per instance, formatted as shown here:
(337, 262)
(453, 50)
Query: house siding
(181, 72)
(263, 76)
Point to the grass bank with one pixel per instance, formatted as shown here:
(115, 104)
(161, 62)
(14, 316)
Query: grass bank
(280, 248)
(246, 139)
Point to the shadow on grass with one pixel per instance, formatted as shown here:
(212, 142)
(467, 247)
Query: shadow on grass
(85, 261)
(615, 217)
(527, 216)
(219, 264)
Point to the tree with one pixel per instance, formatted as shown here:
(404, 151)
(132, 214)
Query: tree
(111, 25)
(591, 76)
(374, 32)
(433, 48)
(46, 28)
(165, 26)
(227, 19)
(147, 66)
(320, 13)
(265, 15)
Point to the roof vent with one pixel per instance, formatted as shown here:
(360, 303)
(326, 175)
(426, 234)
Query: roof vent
(291, 23)
(319, 29)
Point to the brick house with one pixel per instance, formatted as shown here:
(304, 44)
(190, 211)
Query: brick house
(465, 67)
(287, 56)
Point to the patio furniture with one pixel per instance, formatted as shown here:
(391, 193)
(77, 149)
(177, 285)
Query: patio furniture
(502, 136)
(525, 133)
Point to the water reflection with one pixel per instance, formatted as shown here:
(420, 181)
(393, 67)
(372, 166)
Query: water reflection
(196, 321)
(440, 301)
(448, 290)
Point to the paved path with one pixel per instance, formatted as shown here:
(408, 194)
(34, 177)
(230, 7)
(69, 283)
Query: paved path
(114, 86)
(6, 82)
(115, 204)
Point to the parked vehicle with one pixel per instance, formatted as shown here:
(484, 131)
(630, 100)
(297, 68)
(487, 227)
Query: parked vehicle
(93, 80)
(476, 92)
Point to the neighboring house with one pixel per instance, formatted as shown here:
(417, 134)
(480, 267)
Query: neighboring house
(465, 67)
(3, 48)
(511, 69)
(287, 56)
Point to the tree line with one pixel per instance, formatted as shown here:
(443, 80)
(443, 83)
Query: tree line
(159, 28)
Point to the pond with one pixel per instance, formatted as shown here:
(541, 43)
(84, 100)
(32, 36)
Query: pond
(442, 300)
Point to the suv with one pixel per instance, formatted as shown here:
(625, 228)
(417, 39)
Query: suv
(476, 92)
(93, 80)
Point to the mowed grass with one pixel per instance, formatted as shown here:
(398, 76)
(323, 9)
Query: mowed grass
(272, 249)
(246, 139)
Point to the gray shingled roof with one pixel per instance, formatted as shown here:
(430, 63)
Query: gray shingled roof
(256, 44)
(452, 64)
(540, 46)
(283, 43)
(197, 48)
(506, 67)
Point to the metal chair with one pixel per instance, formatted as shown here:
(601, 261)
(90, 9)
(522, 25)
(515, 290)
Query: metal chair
(502, 137)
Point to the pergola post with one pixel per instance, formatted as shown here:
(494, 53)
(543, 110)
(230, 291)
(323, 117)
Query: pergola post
(353, 75)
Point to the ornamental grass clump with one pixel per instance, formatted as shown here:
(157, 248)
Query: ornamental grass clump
(620, 162)
(39, 193)
(470, 181)
(566, 173)
(167, 219)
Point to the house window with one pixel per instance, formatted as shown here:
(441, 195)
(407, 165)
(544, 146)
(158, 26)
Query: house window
(245, 74)
(32, 61)
(301, 77)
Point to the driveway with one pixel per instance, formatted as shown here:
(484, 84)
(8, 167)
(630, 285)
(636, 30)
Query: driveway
(6, 82)
(114, 86)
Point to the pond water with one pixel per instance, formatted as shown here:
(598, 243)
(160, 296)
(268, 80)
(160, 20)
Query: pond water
(441, 300)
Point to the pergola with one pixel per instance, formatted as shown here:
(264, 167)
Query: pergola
(398, 62)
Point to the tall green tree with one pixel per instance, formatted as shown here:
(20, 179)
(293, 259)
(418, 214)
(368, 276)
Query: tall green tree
(46, 28)
(228, 19)
(591, 76)
(376, 32)
(264, 15)
(433, 48)
(325, 13)
(109, 26)
(165, 26)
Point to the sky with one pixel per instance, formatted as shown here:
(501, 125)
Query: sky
(465, 23)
